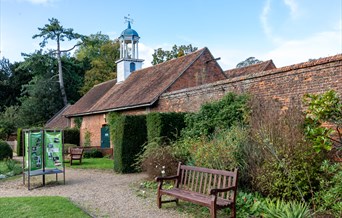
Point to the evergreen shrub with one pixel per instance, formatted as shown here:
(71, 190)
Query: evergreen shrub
(72, 136)
(164, 127)
(128, 133)
(219, 115)
(5, 151)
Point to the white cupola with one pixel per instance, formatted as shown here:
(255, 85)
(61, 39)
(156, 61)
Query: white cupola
(129, 54)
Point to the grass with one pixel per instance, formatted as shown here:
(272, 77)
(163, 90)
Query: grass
(93, 163)
(52, 206)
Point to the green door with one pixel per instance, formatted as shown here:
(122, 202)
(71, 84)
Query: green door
(105, 140)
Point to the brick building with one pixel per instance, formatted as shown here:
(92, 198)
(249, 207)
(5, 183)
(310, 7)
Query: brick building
(185, 83)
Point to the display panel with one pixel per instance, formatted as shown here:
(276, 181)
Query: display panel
(53, 149)
(34, 150)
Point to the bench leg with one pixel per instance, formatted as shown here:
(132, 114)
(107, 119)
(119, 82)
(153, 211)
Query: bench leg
(159, 200)
(213, 212)
(233, 211)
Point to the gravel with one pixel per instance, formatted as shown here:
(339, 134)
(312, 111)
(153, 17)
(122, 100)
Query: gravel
(99, 193)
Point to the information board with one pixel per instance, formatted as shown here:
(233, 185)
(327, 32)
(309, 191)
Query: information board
(34, 144)
(53, 149)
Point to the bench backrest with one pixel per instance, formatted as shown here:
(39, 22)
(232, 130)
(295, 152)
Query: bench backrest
(202, 180)
(76, 151)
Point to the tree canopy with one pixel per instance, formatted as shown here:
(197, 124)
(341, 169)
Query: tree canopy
(247, 62)
(160, 55)
(56, 32)
(101, 53)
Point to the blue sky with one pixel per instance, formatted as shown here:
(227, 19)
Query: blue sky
(286, 31)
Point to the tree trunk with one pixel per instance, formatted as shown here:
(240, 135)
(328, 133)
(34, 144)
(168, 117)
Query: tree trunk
(60, 74)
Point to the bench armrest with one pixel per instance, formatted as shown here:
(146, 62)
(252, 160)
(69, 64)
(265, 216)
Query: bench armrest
(214, 191)
(160, 179)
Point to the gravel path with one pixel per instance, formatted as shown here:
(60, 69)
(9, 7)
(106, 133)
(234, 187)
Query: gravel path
(99, 193)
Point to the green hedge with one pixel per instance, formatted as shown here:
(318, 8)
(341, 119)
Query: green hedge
(5, 150)
(72, 136)
(128, 134)
(19, 142)
(165, 127)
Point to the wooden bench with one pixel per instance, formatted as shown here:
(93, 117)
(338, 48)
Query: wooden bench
(76, 154)
(215, 189)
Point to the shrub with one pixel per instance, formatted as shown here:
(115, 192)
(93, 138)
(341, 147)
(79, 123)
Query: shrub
(329, 198)
(222, 151)
(128, 134)
(222, 114)
(93, 153)
(165, 127)
(5, 150)
(20, 143)
(155, 158)
(282, 164)
(72, 136)
(13, 167)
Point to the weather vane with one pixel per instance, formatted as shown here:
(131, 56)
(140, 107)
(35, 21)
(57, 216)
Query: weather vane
(128, 19)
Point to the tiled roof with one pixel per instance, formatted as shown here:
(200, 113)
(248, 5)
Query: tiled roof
(58, 120)
(265, 65)
(141, 88)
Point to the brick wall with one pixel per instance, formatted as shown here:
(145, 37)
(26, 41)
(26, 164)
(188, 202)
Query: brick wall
(203, 71)
(285, 84)
(93, 124)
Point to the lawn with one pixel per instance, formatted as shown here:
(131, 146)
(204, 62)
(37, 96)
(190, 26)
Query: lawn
(93, 163)
(53, 206)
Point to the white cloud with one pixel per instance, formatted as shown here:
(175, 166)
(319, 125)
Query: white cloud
(264, 18)
(145, 52)
(42, 2)
(292, 4)
(295, 51)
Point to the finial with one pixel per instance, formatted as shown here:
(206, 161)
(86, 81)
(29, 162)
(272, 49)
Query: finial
(128, 20)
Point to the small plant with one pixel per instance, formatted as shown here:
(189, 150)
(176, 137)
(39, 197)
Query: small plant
(87, 139)
(249, 204)
(13, 167)
(5, 150)
(281, 209)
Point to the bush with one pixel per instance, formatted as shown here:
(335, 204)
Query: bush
(20, 143)
(282, 163)
(128, 134)
(329, 197)
(72, 136)
(220, 115)
(5, 150)
(93, 153)
(155, 159)
(222, 151)
(165, 127)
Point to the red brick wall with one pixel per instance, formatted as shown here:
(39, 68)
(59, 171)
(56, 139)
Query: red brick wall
(285, 84)
(93, 124)
(202, 71)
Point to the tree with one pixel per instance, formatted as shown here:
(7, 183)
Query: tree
(102, 53)
(8, 121)
(40, 98)
(54, 31)
(11, 80)
(247, 62)
(160, 56)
